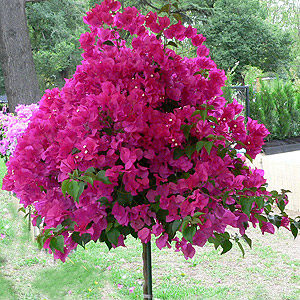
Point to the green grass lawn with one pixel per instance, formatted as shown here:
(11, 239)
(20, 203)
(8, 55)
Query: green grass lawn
(270, 271)
(2, 171)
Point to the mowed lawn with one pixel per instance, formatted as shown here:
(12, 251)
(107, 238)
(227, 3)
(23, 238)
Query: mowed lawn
(269, 271)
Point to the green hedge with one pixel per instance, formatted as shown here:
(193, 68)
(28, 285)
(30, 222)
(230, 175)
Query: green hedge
(277, 105)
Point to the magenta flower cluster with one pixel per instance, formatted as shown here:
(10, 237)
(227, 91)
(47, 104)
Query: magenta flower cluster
(139, 142)
(13, 126)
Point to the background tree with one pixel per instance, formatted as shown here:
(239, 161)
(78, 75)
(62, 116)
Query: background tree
(286, 13)
(55, 27)
(18, 69)
(238, 31)
(247, 32)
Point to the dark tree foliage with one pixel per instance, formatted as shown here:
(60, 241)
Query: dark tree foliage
(238, 31)
(55, 27)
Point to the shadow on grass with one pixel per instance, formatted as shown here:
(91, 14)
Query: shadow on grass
(68, 278)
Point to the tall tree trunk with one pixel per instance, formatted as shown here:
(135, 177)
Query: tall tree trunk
(20, 79)
(147, 271)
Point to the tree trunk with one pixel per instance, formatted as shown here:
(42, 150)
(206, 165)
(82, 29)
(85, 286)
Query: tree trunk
(20, 79)
(147, 271)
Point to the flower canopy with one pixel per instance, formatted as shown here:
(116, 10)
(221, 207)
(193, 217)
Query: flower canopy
(140, 142)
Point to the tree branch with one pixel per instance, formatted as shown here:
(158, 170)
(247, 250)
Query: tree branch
(204, 11)
(149, 4)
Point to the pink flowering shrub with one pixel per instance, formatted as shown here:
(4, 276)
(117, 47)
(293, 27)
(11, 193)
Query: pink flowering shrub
(13, 126)
(140, 142)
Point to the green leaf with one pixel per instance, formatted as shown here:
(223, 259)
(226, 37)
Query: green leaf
(294, 230)
(241, 143)
(261, 218)
(215, 240)
(109, 227)
(91, 169)
(101, 177)
(170, 43)
(91, 174)
(208, 146)
(75, 151)
(175, 5)
(249, 157)
(87, 179)
(220, 137)
(22, 209)
(68, 224)
(113, 236)
(197, 111)
(275, 220)
(178, 17)
(81, 240)
(226, 245)
(57, 243)
(198, 214)
(200, 145)
(109, 43)
(103, 200)
(176, 225)
(38, 221)
(58, 228)
(205, 74)
(225, 196)
(42, 188)
(155, 206)
(184, 224)
(247, 240)
(65, 186)
(225, 235)
(196, 221)
(260, 202)
(161, 214)
(189, 150)
(186, 130)
(242, 248)
(211, 136)
(297, 224)
(124, 198)
(222, 151)
(188, 233)
(212, 119)
(165, 8)
(178, 152)
(281, 205)
(246, 204)
(76, 238)
(203, 114)
(75, 189)
(85, 238)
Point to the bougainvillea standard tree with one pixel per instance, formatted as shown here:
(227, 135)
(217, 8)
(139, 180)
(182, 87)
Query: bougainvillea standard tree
(140, 142)
(13, 126)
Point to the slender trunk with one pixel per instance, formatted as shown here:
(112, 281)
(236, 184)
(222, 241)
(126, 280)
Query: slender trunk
(20, 79)
(147, 270)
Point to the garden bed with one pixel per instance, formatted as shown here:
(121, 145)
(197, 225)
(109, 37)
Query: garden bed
(281, 146)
